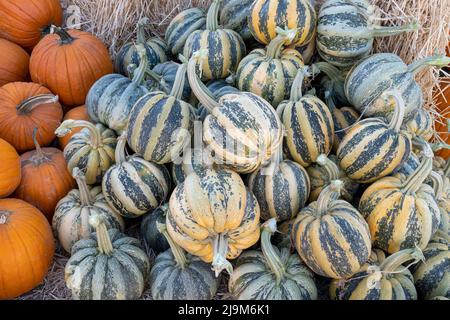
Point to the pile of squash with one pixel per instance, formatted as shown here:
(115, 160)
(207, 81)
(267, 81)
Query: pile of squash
(259, 141)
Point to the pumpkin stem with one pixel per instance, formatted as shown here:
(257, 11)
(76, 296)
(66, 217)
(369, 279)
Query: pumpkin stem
(178, 84)
(212, 17)
(416, 179)
(65, 37)
(329, 193)
(177, 251)
(272, 258)
(297, 85)
(220, 262)
(275, 47)
(141, 37)
(120, 148)
(399, 110)
(39, 152)
(85, 195)
(27, 105)
(394, 261)
(380, 31)
(435, 60)
(153, 75)
(4, 216)
(103, 240)
(331, 71)
(140, 72)
(330, 167)
(438, 184)
(68, 125)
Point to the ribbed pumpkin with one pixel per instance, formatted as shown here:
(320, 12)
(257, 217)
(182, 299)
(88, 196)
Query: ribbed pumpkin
(107, 266)
(71, 220)
(45, 178)
(156, 49)
(10, 169)
(214, 216)
(160, 124)
(372, 149)
(134, 186)
(331, 236)
(25, 21)
(77, 113)
(267, 15)
(91, 149)
(176, 275)
(272, 273)
(308, 123)
(27, 247)
(234, 15)
(380, 279)
(442, 201)
(152, 237)
(401, 211)
(269, 72)
(112, 97)
(420, 124)
(242, 129)
(56, 63)
(24, 107)
(225, 48)
(346, 30)
(14, 63)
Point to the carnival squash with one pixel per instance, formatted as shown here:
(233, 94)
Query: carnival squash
(10, 169)
(14, 64)
(77, 113)
(234, 15)
(152, 237)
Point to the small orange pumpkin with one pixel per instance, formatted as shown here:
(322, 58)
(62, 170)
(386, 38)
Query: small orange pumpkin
(77, 113)
(14, 63)
(9, 169)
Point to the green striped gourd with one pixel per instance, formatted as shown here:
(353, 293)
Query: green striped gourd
(346, 30)
(225, 48)
(157, 51)
(176, 275)
(308, 123)
(192, 161)
(372, 77)
(380, 279)
(72, 213)
(331, 236)
(442, 201)
(112, 97)
(307, 51)
(134, 186)
(267, 15)
(160, 124)
(272, 273)
(152, 237)
(242, 129)
(181, 27)
(372, 149)
(409, 166)
(420, 124)
(269, 72)
(402, 211)
(107, 266)
(234, 15)
(91, 149)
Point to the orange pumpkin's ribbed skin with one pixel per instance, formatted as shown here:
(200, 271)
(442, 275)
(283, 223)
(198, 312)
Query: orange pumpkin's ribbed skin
(14, 63)
(443, 105)
(9, 169)
(26, 250)
(78, 113)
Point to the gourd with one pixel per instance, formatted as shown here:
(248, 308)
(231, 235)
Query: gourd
(152, 237)
(332, 82)
(71, 219)
(14, 63)
(442, 201)
(77, 113)
(267, 15)
(133, 186)
(91, 149)
(346, 30)
(10, 169)
(157, 51)
(372, 149)
(402, 211)
(176, 275)
(420, 124)
(225, 48)
(45, 178)
(270, 72)
(193, 160)
(408, 167)
(242, 129)
(234, 15)
(282, 238)
(24, 107)
(272, 273)
(213, 215)
(23, 230)
(344, 242)
(112, 97)
(107, 266)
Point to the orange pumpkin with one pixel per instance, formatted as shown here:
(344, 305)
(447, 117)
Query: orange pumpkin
(26, 250)
(9, 169)
(78, 113)
(68, 63)
(14, 63)
(24, 107)
(442, 100)
(25, 21)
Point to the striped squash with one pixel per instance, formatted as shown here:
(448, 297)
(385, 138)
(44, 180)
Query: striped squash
(134, 186)
(269, 72)
(272, 273)
(160, 124)
(107, 266)
(380, 279)
(72, 213)
(442, 201)
(112, 97)
(192, 161)
(372, 149)
(420, 124)
(331, 236)
(409, 166)
(225, 48)
(157, 51)
(152, 237)
(91, 149)
(401, 211)
(346, 30)
(234, 15)
(282, 238)
(181, 27)
(242, 129)
(218, 89)
(267, 15)
(176, 275)
(308, 123)
(213, 215)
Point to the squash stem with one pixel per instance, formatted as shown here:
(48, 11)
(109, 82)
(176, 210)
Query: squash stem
(27, 105)
(85, 195)
(331, 71)
(65, 37)
(416, 179)
(276, 46)
(399, 110)
(435, 60)
(141, 38)
(4, 216)
(220, 262)
(394, 261)
(212, 17)
(39, 152)
(103, 240)
(379, 31)
(273, 260)
(153, 75)
(438, 184)
(328, 194)
(120, 148)
(297, 85)
(177, 251)
(330, 167)
(68, 125)
(447, 168)
(140, 72)
(330, 101)
(178, 84)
